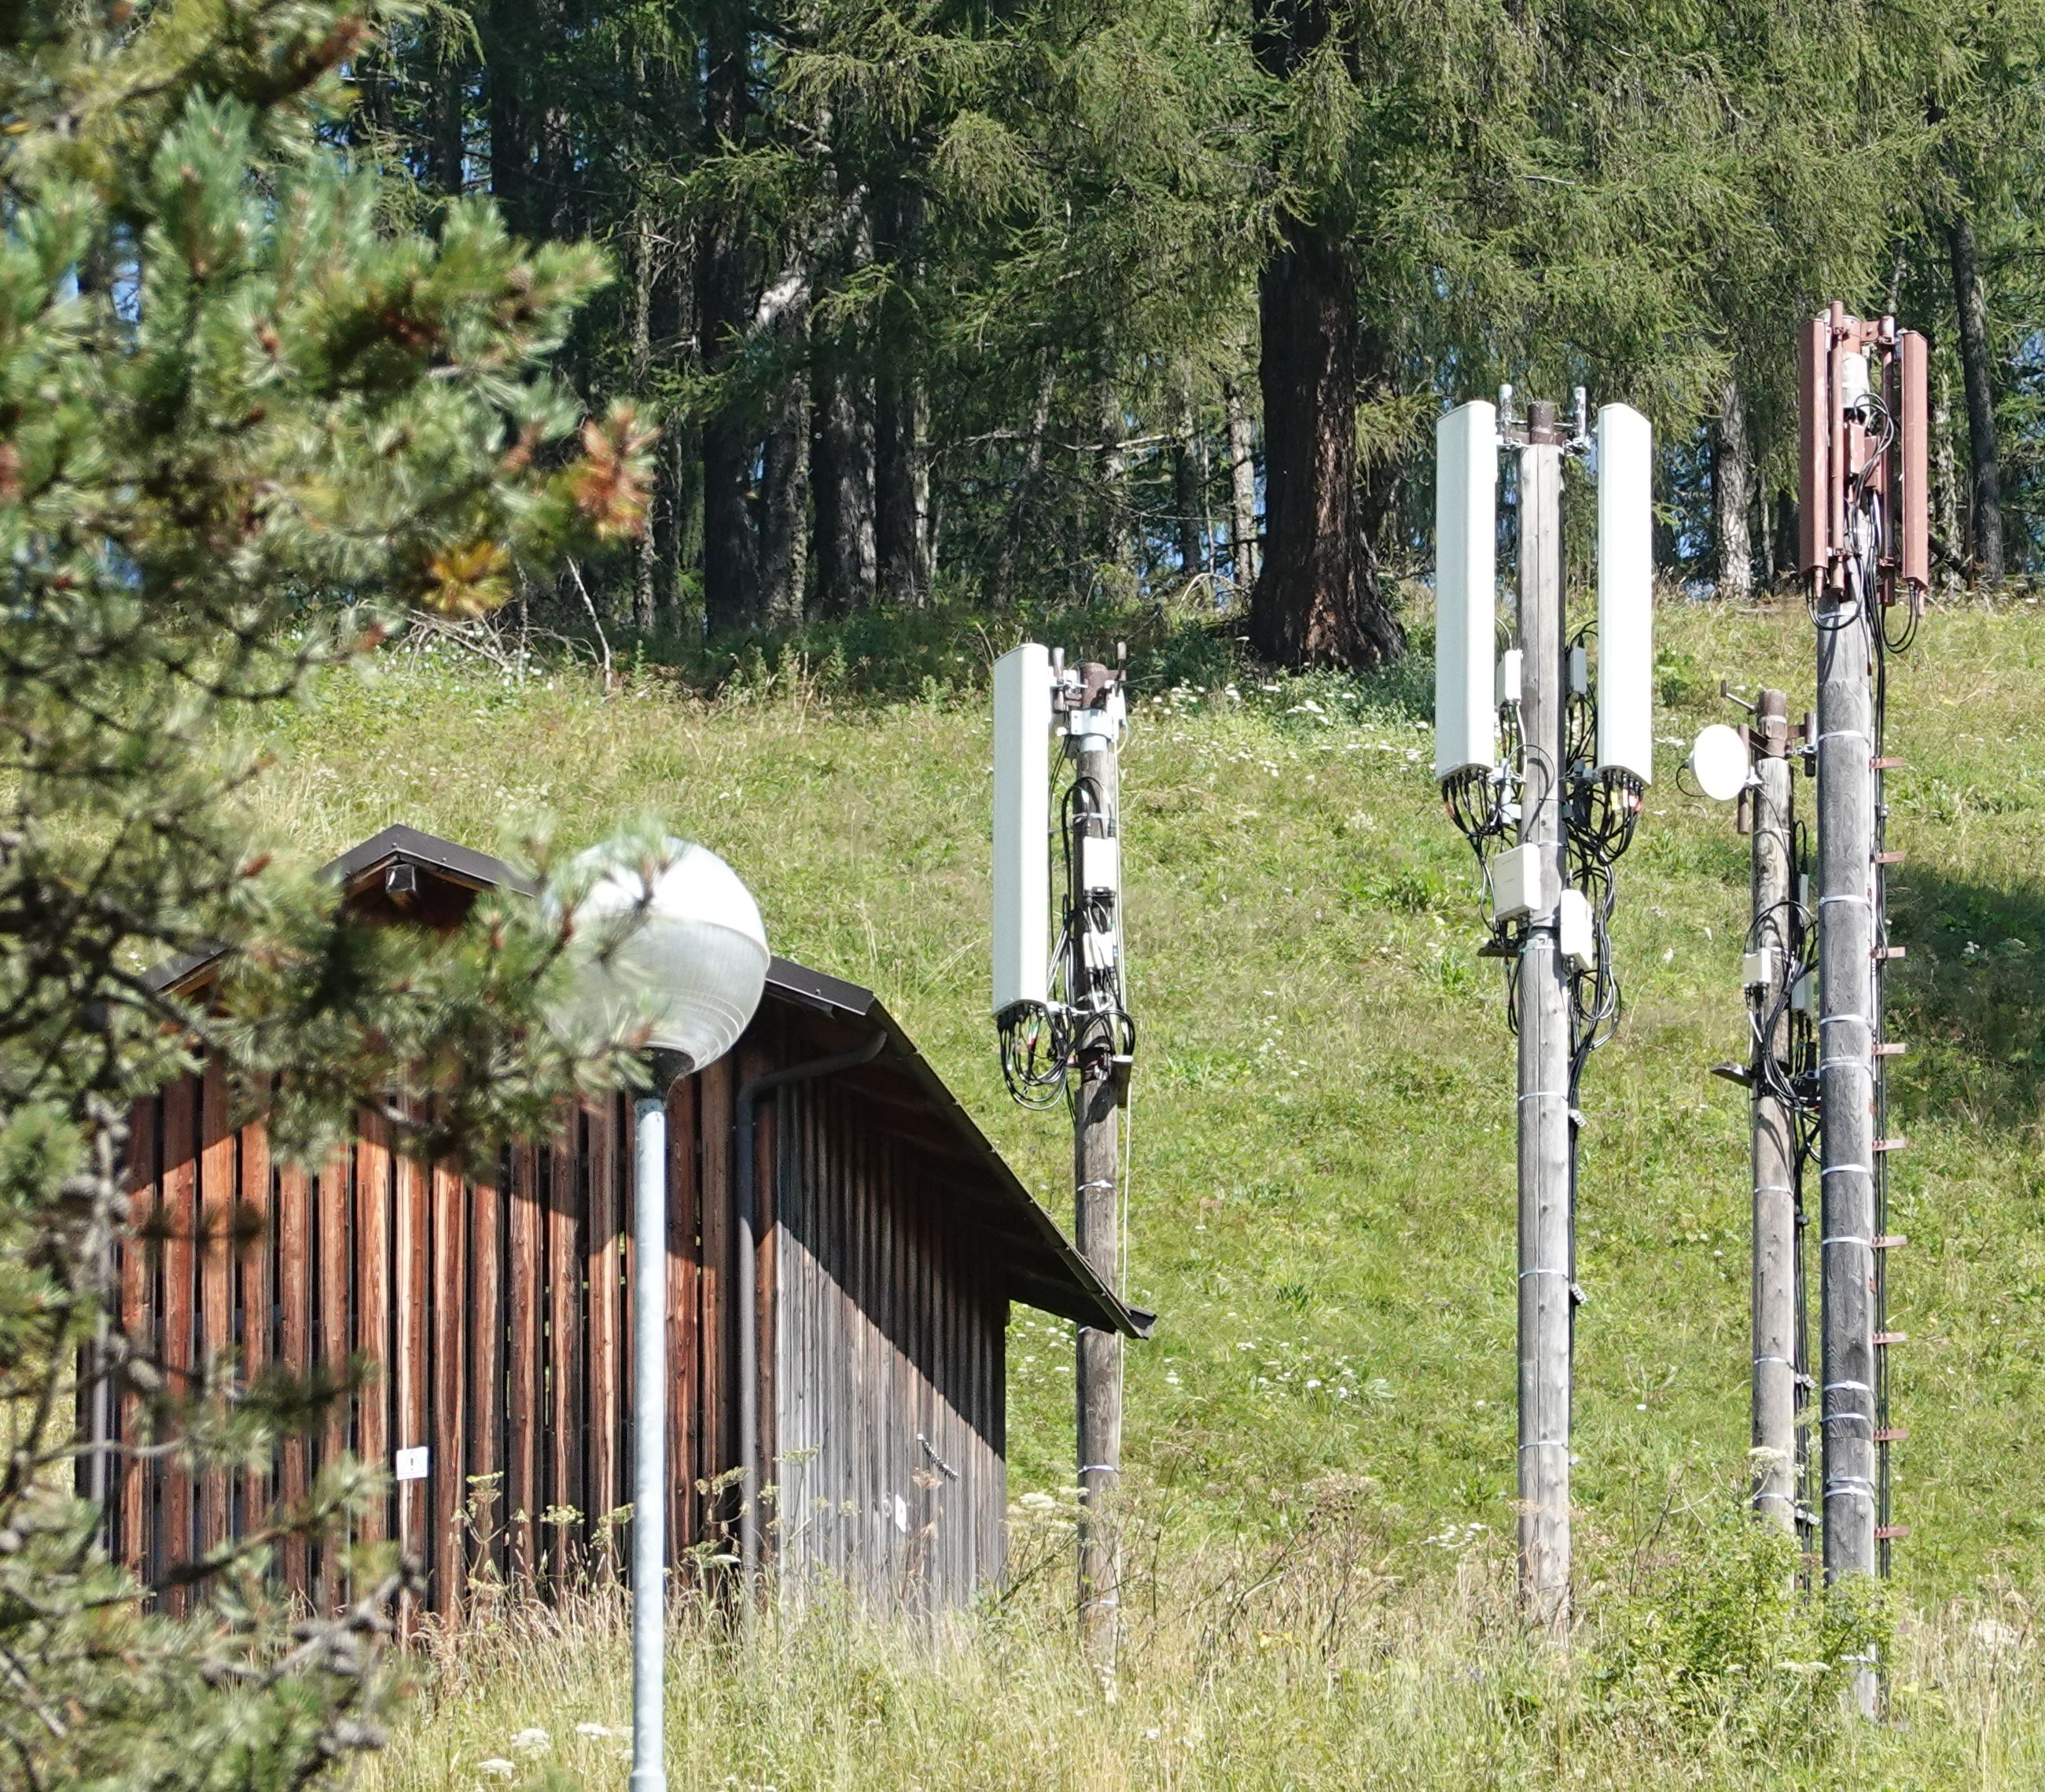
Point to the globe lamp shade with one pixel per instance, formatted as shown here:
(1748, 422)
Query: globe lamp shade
(687, 961)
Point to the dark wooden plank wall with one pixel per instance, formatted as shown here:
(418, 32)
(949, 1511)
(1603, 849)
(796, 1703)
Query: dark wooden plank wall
(473, 1301)
(494, 1316)
(889, 1328)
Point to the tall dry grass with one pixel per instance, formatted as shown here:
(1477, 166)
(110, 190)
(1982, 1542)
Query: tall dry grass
(1323, 1658)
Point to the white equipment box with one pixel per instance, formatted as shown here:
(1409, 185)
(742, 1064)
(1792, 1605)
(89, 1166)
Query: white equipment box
(1465, 587)
(1574, 936)
(1021, 826)
(1626, 592)
(1519, 884)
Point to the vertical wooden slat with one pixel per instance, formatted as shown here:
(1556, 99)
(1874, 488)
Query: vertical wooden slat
(909, 1416)
(141, 1253)
(791, 1303)
(878, 1195)
(410, 1244)
(936, 1406)
(995, 1451)
(973, 1482)
(565, 1201)
(857, 1146)
(822, 1494)
(902, 1395)
(216, 1274)
(453, 1314)
(524, 1416)
(294, 1349)
(334, 1235)
(602, 1261)
(173, 1541)
(374, 1336)
(853, 1265)
(848, 1311)
(959, 1496)
(714, 1097)
(255, 1239)
(998, 1413)
(913, 1414)
(766, 1166)
(684, 1331)
(487, 1329)
(625, 1152)
(994, 1491)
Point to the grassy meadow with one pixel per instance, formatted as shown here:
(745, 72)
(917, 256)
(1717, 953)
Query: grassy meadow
(1320, 1438)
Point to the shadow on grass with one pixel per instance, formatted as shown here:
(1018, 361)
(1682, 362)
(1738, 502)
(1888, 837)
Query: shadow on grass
(1969, 997)
(948, 648)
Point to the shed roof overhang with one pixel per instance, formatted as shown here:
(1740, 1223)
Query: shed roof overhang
(1042, 1267)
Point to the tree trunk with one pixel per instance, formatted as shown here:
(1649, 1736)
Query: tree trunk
(554, 174)
(505, 53)
(841, 490)
(1317, 599)
(447, 148)
(1945, 481)
(1189, 469)
(897, 540)
(1732, 495)
(1116, 543)
(784, 488)
(903, 576)
(730, 560)
(1977, 371)
(1243, 489)
(645, 274)
(1019, 506)
(1784, 565)
(373, 121)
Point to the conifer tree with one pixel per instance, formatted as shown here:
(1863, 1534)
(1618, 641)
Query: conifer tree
(238, 416)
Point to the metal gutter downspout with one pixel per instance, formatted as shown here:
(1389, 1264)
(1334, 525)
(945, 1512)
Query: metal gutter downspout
(748, 1278)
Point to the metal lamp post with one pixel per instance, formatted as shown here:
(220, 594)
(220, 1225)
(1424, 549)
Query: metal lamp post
(676, 950)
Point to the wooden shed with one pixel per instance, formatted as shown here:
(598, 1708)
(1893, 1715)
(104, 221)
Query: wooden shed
(893, 1238)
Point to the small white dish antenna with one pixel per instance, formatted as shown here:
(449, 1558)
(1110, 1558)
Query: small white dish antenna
(1719, 761)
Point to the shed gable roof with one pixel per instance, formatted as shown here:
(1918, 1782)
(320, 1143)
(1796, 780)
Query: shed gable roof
(1042, 1267)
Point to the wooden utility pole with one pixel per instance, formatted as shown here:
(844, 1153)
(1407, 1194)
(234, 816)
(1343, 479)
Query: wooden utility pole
(1546, 1147)
(1772, 950)
(1097, 1142)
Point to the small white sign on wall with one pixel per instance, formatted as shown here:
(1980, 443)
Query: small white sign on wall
(901, 1514)
(411, 1464)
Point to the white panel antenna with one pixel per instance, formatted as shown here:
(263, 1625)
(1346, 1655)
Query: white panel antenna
(1022, 827)
(1465, 588)
(1626, 592)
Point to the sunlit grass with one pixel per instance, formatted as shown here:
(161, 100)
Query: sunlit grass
(1321, 1194)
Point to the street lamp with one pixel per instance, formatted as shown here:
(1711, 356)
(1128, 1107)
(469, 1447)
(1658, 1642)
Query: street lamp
(683, 958)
